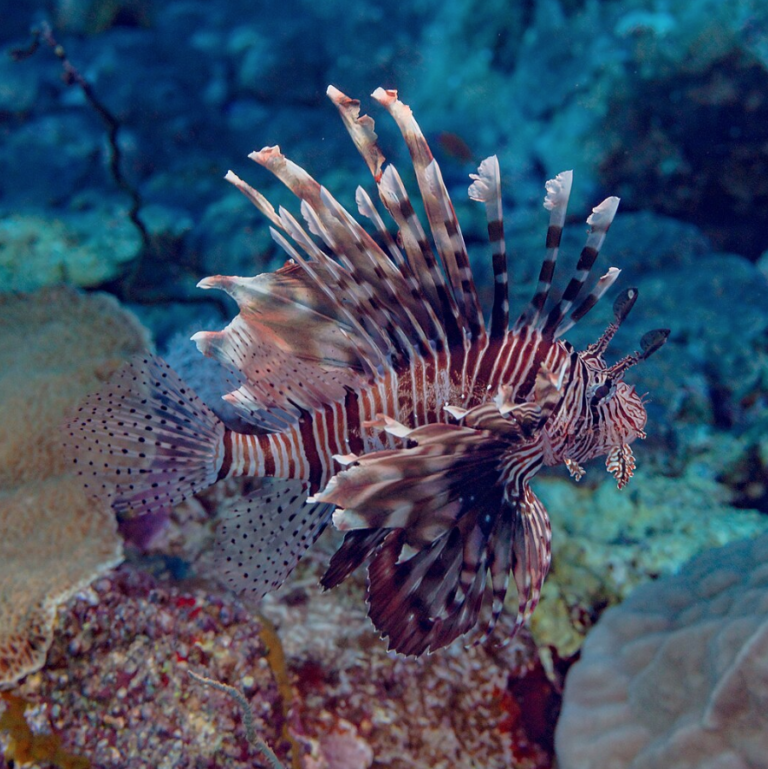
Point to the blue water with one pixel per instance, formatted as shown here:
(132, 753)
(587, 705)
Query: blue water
(113, 181)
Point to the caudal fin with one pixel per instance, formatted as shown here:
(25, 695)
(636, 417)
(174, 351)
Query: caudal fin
(145, 441)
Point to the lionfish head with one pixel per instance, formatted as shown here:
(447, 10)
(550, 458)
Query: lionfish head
(615, 409)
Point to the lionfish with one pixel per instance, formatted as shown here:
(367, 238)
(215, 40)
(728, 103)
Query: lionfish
(371, 385)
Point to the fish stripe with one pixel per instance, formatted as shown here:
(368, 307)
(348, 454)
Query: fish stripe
(370, 383)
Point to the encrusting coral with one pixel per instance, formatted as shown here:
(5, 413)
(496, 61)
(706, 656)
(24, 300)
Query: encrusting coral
(677, 676)
(55, 346)
(83, 248)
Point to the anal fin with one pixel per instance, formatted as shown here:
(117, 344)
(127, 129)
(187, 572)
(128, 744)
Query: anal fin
(261, 538)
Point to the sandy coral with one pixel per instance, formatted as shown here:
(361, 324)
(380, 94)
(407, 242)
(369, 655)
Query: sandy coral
(55, 541)
(55, 346)
(676, 676)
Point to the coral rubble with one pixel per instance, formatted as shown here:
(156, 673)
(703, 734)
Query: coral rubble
(323, 690)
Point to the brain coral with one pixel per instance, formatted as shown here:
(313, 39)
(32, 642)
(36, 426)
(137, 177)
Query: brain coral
(677, 676)
(55, 346)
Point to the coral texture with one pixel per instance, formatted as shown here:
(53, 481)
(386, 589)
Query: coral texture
(82, 248)
(55, 346)
(608, 542)
(677, 676)
(324, 692)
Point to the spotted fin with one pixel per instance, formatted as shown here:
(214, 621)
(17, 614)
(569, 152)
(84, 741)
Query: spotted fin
(277, 385)
(261, 538)
(145, 441)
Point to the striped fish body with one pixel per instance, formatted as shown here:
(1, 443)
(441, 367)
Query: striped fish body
(416, 396)
(377, 395)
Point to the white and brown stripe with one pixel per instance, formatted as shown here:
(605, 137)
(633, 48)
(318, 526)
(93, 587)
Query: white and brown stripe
(374, 349)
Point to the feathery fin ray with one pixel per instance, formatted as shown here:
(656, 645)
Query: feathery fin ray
(556, 202)
(486, 188)
(445, 520)
(456, 497)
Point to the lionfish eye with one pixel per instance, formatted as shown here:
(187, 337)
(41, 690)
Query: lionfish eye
(601, 392)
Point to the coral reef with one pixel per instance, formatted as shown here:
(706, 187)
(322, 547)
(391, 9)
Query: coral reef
(54, 543)
(454, 708)
(664, 105)
(26, 746)
(676, 676)
(726, 350)
(115, 685)
(96, 16)
(83, 249)
(323, 690)
(523, 90)
(607, 542)
(55, 346)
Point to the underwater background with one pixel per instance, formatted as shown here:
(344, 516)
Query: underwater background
(117, 124)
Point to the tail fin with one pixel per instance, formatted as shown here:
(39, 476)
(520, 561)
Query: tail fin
(145, 441)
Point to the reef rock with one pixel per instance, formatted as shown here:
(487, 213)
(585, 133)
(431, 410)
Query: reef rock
(81, 249)
(607, 542)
